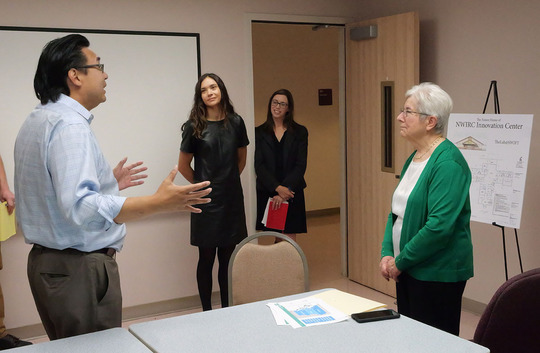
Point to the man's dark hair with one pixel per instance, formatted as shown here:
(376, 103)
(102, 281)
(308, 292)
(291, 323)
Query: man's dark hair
(57, 58)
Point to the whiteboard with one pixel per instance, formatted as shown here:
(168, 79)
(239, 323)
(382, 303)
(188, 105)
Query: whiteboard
(150, 90)
(496, 147)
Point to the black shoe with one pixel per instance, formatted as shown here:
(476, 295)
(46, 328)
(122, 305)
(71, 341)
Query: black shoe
(10, 341)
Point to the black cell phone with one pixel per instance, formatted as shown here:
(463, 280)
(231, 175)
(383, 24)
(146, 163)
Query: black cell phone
(376, 315)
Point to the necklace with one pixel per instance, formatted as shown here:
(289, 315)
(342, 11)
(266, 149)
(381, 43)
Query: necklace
(429, 149)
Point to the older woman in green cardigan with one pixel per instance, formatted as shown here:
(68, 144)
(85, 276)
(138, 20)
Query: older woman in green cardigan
(427, 246)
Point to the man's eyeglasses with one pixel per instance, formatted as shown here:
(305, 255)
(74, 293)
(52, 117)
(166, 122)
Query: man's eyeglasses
(100, 67)
(280, 104)
(408, 112)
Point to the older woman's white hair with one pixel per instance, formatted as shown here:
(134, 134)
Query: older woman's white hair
(432, 100)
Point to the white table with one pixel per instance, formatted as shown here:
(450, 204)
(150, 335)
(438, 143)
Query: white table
(252, 328)
(115, 340)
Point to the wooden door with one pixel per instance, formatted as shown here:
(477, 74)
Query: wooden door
(384, 66)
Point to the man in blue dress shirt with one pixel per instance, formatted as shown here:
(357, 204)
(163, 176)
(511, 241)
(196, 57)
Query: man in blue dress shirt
(67, 195)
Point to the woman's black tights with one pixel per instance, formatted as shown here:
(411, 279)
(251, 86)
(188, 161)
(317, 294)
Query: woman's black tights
(204, 274)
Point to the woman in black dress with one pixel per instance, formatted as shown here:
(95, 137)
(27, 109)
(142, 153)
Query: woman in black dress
(216, 137)
(280, 163)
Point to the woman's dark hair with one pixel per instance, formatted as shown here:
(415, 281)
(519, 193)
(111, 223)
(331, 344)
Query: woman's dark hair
(288, 121)
(57, 58)
(198, 112)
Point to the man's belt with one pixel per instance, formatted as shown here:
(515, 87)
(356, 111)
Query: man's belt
(107, 251)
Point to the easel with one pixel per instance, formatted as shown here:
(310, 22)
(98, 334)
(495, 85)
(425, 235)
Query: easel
(497, 109)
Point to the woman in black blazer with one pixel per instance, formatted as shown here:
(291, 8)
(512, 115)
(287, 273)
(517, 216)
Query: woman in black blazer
(280, 163)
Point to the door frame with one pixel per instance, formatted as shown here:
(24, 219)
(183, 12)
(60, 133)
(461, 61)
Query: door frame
(308, 20)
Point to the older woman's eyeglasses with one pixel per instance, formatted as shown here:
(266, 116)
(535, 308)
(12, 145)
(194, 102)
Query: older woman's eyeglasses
(275, 103)
(100, 67)
(408, 112)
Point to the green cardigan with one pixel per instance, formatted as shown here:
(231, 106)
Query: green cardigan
(435, 240)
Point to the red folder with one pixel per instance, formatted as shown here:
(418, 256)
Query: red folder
(275, 219)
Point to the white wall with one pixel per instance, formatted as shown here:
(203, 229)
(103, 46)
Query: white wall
(157, 262)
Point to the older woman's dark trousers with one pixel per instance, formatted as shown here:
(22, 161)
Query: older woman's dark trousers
(437, 304)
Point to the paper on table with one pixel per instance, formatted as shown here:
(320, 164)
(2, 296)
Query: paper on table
(304, 312)
(279, 315)
(348, 303)
(7, 223)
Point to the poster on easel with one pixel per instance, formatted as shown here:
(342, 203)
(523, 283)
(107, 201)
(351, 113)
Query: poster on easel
(496, 147)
